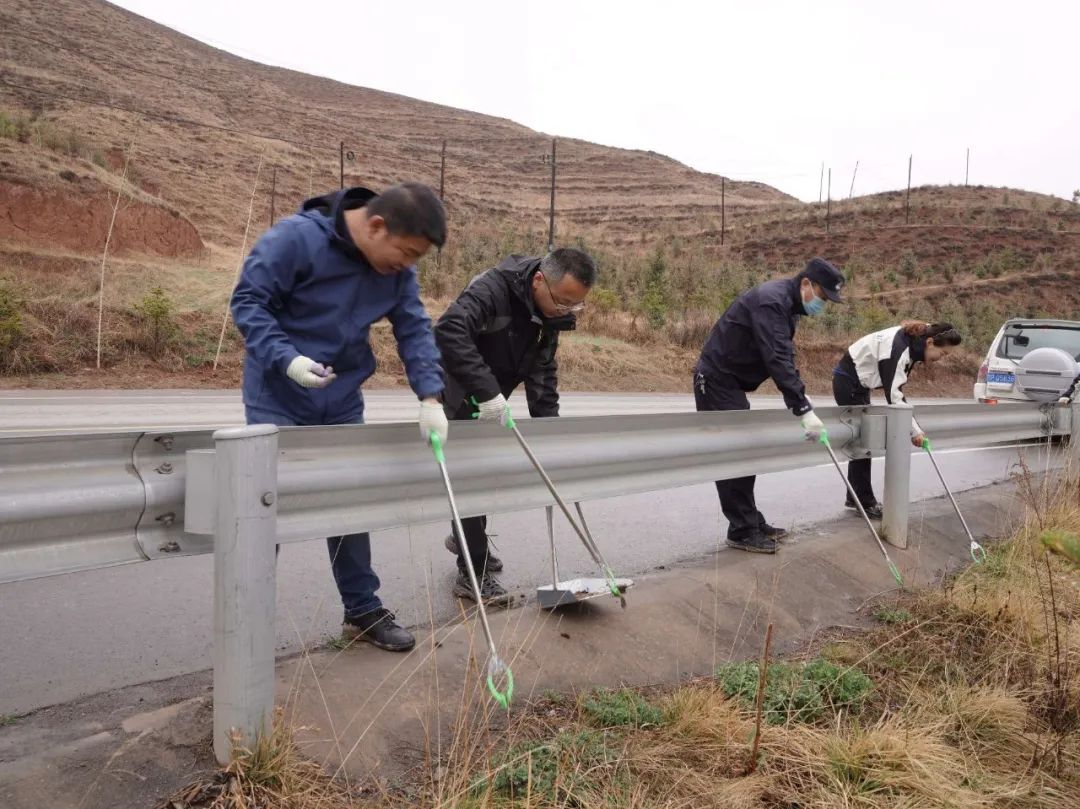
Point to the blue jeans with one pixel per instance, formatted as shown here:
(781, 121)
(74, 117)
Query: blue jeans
(350, 555)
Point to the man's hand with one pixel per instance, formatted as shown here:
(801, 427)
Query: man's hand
(307, 373)
(917, 440)
(432, 420)
(814, 427)
(493, 410)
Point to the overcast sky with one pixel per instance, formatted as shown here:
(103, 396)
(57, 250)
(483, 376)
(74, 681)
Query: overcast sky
(763, 90)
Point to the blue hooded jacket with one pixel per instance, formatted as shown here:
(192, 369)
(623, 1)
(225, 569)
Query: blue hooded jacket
(306, 290)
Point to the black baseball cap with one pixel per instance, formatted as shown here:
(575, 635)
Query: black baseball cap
(830, 279)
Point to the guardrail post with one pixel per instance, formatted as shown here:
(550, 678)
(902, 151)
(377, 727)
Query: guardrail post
(245, 563)
(1074, 439)
(894, 525)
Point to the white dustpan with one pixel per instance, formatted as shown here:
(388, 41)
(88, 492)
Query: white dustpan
(571, 591)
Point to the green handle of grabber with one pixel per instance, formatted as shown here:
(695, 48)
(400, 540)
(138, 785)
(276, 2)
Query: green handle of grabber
(496, 667)
(926, 444)
(823, 439)
(609, 574)
(437, 447)
(896, 574)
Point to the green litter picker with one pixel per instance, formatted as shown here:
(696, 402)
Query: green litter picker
(574, 590)
(824, 441)
(978, 554)
(496, 669)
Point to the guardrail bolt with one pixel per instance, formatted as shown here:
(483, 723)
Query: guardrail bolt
(268, 499)
(167, 519)
(165, 469)
(169, 547)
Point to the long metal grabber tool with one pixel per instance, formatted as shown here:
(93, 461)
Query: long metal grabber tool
(978, 553)
(496, 667)
(824, 441)
(583, 535)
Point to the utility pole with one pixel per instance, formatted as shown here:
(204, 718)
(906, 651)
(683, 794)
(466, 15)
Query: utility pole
(723, 211)
(828, 203)
(967, 166)
(273, 194)
(341, 163)
(851, 193)
(821, 182)
(551, 211)
(442, 172)
(907, 200)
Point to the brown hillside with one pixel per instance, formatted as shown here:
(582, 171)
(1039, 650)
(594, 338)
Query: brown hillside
(103, 55)
(195, 126)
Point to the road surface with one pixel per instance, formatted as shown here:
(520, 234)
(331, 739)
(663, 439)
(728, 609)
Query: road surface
(83, 633)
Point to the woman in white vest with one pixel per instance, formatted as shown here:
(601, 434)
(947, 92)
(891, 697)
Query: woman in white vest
(882, 361)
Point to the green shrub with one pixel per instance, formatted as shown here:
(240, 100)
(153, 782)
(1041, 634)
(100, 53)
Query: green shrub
(156, 315)
(623, 707)
(11, 330)
(795, 692)
(555, 771)
(893, 615)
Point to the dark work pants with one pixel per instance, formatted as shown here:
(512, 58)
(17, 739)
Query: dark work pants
(847, 392)
(736, 495)
(476, 538)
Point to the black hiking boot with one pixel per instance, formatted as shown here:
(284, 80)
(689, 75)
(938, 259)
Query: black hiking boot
(493, 593)
(756, 542)
(774, 533)
(379, 629)
(873, 510)
(494, 563)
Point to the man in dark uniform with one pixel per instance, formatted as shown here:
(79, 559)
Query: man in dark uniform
(751, 342)
(503, 330)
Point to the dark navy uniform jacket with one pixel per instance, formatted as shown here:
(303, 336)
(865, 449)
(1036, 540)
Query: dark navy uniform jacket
(754, 340)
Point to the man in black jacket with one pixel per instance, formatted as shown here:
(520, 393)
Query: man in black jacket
(501, 331)
(754, 340)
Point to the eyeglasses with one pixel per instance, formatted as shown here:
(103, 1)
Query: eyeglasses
(565, 308)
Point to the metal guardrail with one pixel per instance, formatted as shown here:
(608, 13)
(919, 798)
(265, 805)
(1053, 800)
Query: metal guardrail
(79, 502)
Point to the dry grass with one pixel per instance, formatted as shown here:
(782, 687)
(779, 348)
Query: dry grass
(974, 704)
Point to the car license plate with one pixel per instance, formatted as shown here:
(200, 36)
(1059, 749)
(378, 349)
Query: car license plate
(997, 378)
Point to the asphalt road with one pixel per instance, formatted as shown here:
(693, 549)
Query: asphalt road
(83, 633)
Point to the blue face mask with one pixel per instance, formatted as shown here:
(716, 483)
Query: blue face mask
(815, 306)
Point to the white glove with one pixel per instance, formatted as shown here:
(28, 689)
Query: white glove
(307, 373)
(814, 427)
(1064, 400)
(432, 420)
(494, 410)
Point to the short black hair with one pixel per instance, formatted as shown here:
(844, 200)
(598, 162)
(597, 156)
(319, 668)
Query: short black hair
(411, 209)
(567, 260)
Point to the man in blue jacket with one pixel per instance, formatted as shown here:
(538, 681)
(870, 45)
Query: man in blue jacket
(308, 294)
(754, 340)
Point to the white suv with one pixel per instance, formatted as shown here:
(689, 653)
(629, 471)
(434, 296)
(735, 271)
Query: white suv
(997, 376)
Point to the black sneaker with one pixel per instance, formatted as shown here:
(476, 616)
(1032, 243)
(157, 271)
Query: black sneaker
(772, 532)
(494, 563)
(379, 629)
(493, 593)
(754, 543)
(873, 511)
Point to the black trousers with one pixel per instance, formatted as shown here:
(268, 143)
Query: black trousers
(848, 392)
(737, 494)
(476, 538)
